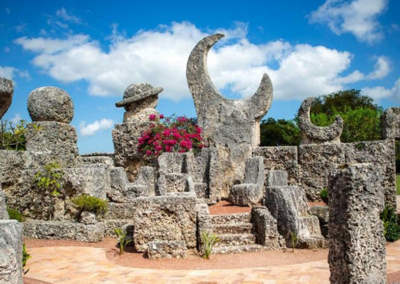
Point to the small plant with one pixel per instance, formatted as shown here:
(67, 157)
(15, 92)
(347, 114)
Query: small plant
(25, 257)
(293, 238)
(90, 204)
(391, 228)
(13, 137)
(122, 240)
(209, 240)
(15, 215)
(324, 195)
(50, 179)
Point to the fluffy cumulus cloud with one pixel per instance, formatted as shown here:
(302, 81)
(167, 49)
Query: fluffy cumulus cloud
(159, 57)
(11, 72)
(358, 17)
(96, 126)
(380, 92)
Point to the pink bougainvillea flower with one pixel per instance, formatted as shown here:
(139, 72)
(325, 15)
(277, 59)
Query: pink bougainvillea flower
(152, 117)
(161, 116)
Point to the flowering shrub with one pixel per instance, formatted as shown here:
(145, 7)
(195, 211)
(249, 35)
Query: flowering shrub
(170, 134)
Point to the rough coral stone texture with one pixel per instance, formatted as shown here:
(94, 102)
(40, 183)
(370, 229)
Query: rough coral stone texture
(136, 93)
(55, 141)
(6, 94)
(283, 158)
(164, 218)
(57, 230)
(251, 191)
(166, 249)
(316, 162)
(229, 124)
(125, 137)
(3, 206)
(50, 104)
(382, 155)
(204, 224)
(313, 134)
(322, 213)
(10, 252)
(356, 244)
(265, 228)
(391, 123)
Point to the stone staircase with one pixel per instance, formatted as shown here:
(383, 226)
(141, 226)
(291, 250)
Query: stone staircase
(235, 233)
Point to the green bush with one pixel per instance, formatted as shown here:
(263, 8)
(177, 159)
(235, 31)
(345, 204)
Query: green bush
(50, 179)
(392, 229)
(90, 204)
(13, 136)
(324, 195)
(15, 215)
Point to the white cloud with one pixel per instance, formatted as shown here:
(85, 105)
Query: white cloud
(17, 118)
(380, 92)
(8, 11)
(63, 14)
(358, 17)
(7, 72)
(93, 128)
(159, 57)
(11, 72)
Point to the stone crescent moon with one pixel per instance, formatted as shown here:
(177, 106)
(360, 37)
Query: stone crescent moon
(316, 133)
(202, 88)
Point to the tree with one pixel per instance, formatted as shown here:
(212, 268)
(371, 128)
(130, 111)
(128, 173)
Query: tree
(360, 115)
(279, 132)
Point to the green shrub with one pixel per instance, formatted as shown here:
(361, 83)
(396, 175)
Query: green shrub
(15, 215)
(209, 240)
(324, 195)
(13, 136)
(25, 257)
(122, 240)
(90, 204)
(392, 229)
(50, 179)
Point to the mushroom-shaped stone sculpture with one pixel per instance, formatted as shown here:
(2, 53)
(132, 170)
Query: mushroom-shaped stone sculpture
(313, 134)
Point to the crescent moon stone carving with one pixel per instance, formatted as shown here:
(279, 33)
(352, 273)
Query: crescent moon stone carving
(313, 134)
(224, 121)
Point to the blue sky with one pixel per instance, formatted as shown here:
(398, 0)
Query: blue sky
(95, 49)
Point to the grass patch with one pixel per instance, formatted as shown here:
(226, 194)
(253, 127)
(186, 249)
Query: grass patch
(398, 184)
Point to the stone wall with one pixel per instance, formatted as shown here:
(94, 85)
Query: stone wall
(10, 252)
(356, 244)
(391, 123)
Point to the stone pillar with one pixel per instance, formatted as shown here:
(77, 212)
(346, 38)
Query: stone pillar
(391, 123)
(51, 109)
(357, 244)
(139, 101)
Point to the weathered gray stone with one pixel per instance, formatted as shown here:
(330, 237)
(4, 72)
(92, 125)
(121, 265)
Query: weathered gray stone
(382, 155)
(62, 230)
(3, 206)
(277, 178)
(251, 191)
(50, 104)
(101, 158)
(288, 204)
(322, 212)
(125, 138)
(313, 134)
(88, 218)
(166, 249)
(266, 229)
(6, 94)
(136, 93)
(283, 158)
(10, 252)
(55, 141)
(93, 181)
(204, 224)
(164, 218)
(316, 162)
(391, 123)
(356, 244)
(231, 125)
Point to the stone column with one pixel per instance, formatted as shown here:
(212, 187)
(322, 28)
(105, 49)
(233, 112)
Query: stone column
(357, 244)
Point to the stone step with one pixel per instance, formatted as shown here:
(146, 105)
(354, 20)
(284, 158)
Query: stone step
(235, 240)
(236, 228)
(238, 249)
(231, 218)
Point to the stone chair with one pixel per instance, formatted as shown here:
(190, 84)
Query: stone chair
(250, 192)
